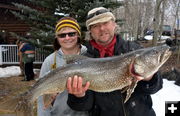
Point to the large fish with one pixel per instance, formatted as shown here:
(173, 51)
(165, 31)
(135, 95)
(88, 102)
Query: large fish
(104, 74)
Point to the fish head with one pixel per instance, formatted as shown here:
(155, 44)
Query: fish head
(150, 60)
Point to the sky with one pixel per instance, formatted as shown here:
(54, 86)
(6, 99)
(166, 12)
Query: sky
(169, 92)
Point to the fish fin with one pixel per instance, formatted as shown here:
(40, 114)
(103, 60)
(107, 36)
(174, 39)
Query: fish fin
(133, 73)
(47, 100)
(124, 89)
(73, 58)
(24, 113)
(130, 90)
(20, 104)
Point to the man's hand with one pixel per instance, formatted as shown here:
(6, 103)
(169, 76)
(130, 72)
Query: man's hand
(75, 87)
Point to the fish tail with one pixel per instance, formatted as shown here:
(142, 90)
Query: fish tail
(21, 105)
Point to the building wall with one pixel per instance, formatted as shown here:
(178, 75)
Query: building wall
(9, 23)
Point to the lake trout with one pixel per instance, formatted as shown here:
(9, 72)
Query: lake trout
(104, 74)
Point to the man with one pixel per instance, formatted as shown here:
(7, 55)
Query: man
(27, 56)
(101, 24)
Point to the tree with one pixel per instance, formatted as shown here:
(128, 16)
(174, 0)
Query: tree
(42, 15)
(162, 18)
(156, 21)
(138, 17)
(174, 12)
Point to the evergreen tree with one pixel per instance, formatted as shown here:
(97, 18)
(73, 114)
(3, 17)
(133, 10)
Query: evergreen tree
(43, 15)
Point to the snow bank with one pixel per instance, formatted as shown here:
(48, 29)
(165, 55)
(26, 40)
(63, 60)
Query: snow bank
(169, 92)
(10, 71)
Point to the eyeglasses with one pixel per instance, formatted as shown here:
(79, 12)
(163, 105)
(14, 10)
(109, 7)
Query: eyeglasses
(96, 13)
(63, 35)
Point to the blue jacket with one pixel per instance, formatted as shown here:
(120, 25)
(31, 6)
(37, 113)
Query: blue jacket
(28, 52)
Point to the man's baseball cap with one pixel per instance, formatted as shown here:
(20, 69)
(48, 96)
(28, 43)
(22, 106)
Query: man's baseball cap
(98, 15)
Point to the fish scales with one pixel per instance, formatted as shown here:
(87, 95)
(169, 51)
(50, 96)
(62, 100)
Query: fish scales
(104, 74)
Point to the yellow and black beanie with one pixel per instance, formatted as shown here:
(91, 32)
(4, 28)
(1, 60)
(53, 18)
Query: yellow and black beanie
(68, 22)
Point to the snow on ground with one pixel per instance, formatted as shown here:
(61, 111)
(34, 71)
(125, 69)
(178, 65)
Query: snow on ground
(169, 92)
(10, 71)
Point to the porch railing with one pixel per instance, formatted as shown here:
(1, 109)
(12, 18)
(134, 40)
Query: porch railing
(9, 55)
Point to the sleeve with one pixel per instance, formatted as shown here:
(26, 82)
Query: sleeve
(45, 68)
(151, 86)
(133, 45)
(81, 104)
(22, 48)
(40, 108)
(128, 46)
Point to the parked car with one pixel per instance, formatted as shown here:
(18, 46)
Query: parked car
(150, 37)
(166, 30)
(177, 33)
(166, 33)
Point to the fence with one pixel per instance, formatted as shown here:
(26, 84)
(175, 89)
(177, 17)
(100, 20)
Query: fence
(9, 55)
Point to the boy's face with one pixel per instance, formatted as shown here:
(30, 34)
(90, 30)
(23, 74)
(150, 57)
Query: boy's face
(67, 38)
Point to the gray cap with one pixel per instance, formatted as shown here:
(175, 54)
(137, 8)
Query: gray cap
(98, 15)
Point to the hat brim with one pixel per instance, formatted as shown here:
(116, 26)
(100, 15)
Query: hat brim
(102, 20)
(105, 17)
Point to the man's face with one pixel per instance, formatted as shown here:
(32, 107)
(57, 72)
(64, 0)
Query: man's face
(103, 33)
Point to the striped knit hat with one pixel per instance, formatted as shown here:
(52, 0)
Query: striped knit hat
(98, 15)
(68, 22)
